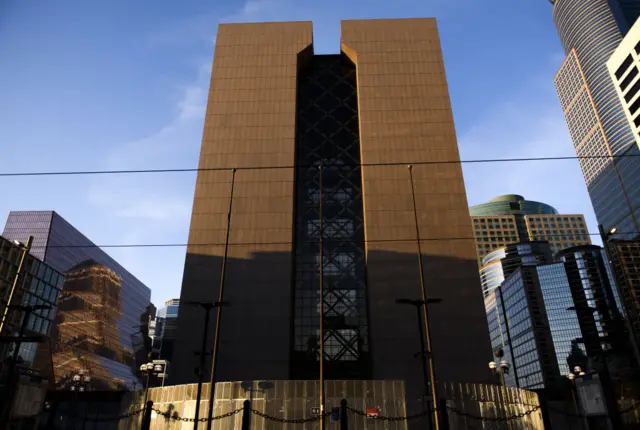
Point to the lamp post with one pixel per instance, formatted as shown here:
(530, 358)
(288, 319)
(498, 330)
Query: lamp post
(606, 237)
(425, 314)
(425, 355)
(80, 382)
(500, 367)
(219, 305)
(149, 369)
(577, 373)
(207, 306)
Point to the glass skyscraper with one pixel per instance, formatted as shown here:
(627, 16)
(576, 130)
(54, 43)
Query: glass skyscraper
(551, 317)
(166, 329)
(590, 31)
(99, 289)
(39, 285)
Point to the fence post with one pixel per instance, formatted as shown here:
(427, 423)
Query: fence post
(344, 419)
(246, 415)
(444, 415)
(146, 418)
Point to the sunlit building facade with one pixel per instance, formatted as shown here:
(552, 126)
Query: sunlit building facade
(332, 136)
(590, 32)
(100, 310)
(624, 70)
(510, 219)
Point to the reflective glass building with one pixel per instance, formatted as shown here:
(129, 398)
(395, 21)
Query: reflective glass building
(166, 329)
(39, 285)
(499, 264)
(590, 31)
(99, 289)
(551, 317)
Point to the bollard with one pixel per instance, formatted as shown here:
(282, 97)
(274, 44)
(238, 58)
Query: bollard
(146, 418)
(246, 415)
(344, 421)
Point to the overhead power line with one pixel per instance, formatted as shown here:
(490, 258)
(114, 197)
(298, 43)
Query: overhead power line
(326, 240)
(210, 169)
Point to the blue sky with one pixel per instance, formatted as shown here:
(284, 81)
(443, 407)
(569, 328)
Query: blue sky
(88, 85)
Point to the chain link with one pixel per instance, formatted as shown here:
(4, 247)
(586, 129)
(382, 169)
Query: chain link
(383, 418)
(290, 421)
(101, 419)
(571, 414)
(176, 417)
(509, 418)
(629, 408)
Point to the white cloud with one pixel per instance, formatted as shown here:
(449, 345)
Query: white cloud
(156, 208)
(518, 129)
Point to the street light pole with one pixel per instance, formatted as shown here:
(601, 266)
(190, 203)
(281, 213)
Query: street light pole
(207, 306)
(425, 313)
(425, 367)
(321, 294)
(572, 377)
(605, 236)
(216, 339)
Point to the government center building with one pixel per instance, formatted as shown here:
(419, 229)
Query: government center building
(321, 146)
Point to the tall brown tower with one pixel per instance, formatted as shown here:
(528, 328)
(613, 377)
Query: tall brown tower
(276, 112)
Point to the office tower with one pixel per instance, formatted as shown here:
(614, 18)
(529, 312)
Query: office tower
(518, 325)
(510, 218)
(623, 70)
(499, 264)
(556, 316)
(590, 31)
(98, 286)
(166, 329)
(363, 115)
(625, 259)
(39, 284)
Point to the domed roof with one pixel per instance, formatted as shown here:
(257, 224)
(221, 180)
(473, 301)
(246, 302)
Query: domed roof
(507, 198)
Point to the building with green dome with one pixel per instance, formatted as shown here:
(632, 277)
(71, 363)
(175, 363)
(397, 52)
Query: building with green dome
(510, 218)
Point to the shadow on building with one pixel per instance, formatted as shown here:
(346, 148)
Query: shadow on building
(257, 329)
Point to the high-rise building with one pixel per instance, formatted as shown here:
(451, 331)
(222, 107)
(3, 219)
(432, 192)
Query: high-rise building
(349, 123)
(623, 69)
(166, 329)
(590, 32)
(558, 315)
(499, 264)
(511, 219)
(99, 289)
(625, 259)
(39, 284)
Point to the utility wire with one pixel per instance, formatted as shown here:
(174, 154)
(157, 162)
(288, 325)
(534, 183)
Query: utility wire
(210, 169)
(326, 240)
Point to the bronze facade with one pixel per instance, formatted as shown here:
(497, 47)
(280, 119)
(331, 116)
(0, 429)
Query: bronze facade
(255, 119)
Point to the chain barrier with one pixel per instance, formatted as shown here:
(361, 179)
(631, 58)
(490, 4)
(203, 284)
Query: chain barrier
(509, 418)
(574, 415)
(384, 418)
(630, 408)
(101, 419)
(176, 417)
(290, 421)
